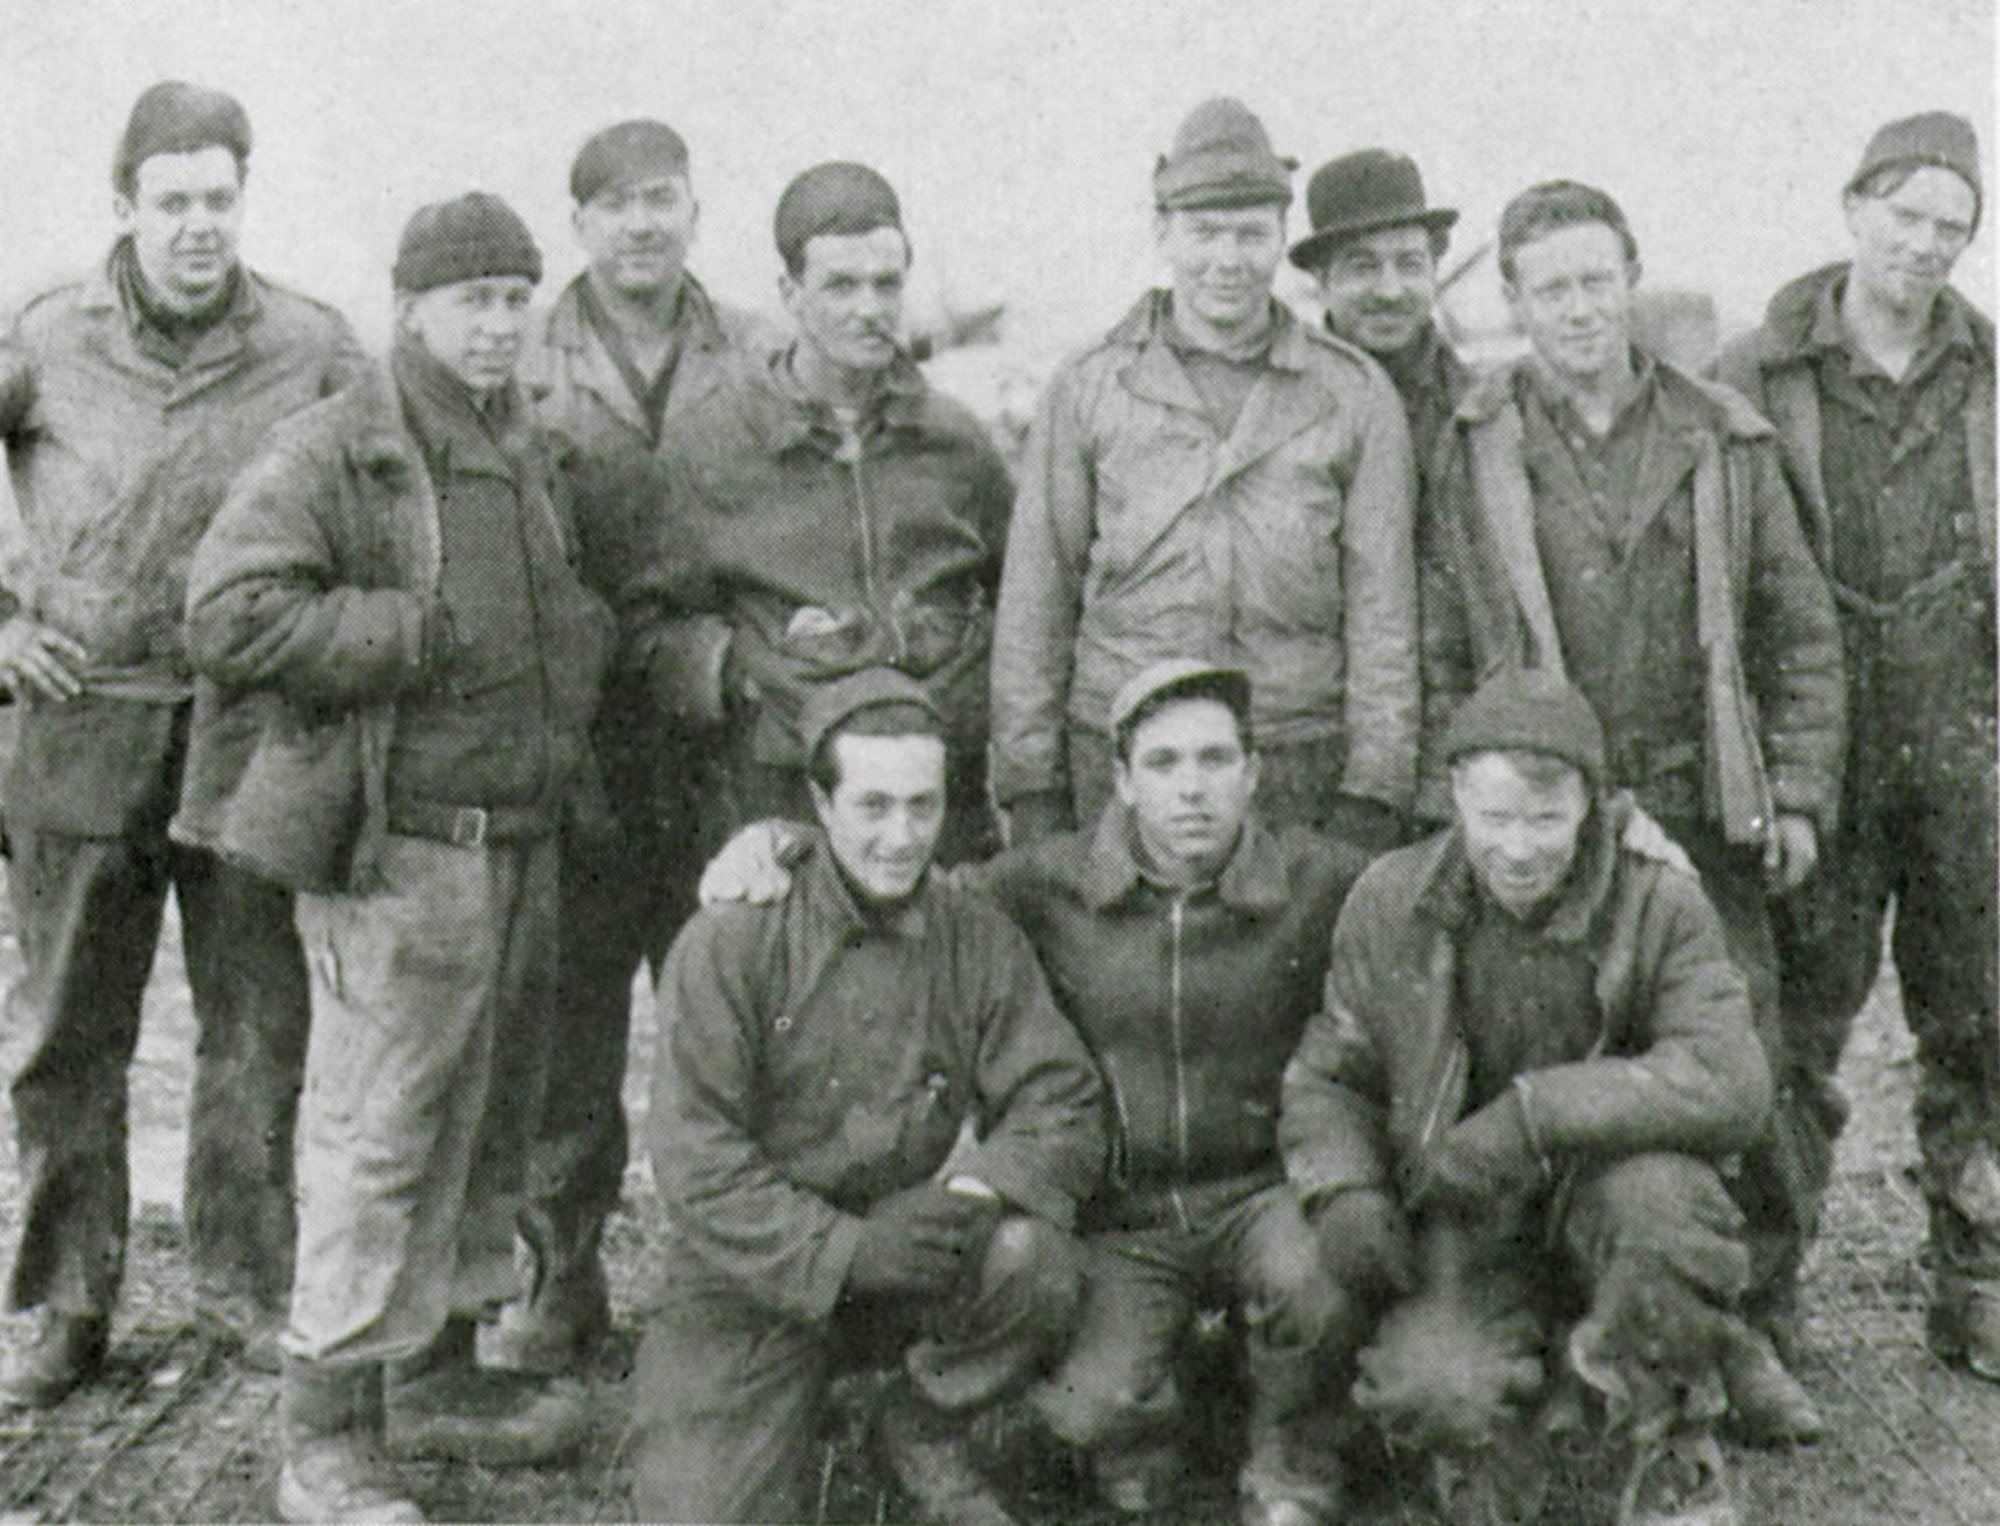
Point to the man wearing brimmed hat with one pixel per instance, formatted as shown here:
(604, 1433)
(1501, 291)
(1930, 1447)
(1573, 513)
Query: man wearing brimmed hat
(1213, 477)
(629, 342)
(1533, 1054)
(1186, 939)
(396, 574)
(835, 510)
(128, 400)
(1878, 374)
(821, 1054)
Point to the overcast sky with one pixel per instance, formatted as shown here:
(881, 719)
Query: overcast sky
(1021, 133)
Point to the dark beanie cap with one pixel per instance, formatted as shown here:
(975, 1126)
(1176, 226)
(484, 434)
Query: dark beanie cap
(476, 235)
(1940, 138)
(174, 117)
(838, 198)
(624, 155)
(1529, 710)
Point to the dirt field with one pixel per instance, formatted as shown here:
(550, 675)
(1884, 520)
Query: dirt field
(178, 1434)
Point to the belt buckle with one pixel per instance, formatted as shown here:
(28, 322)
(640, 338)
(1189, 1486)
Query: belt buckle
(468, 827)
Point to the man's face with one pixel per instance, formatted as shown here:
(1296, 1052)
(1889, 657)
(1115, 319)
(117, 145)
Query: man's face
(1379, 288)
(637, 236)
(1223, 261)
(1572, 296)
(1521, 835)
(1188, 782)
(1905, 243)
(884, 816)
(185, 217)
(848, 300)
(474, 329)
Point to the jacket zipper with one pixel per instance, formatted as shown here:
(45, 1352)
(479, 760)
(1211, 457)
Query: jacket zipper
(1176, 918)
(851, 448)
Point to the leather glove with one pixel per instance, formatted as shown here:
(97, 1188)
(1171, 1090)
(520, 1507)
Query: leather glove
(920, 1240)
(1488, 1156)
(1033, 817)
(1368, 824)
(1364, 1243)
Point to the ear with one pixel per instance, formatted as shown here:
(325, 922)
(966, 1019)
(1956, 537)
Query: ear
(123, 210)
(406, 303)
(822, 802)
(1163, 222)
(1121, 780)
(789, 290)
(1633, 267)
(1253, 770)
(576, 219)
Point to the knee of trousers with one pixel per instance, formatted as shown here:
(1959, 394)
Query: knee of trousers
(1290, 1301)
(1661, 1215)
(1105, 1399)
(1032, 1280)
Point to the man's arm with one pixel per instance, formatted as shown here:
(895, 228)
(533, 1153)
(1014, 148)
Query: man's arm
(1379, 593)
(785, 1247)
(1041, 1119)
(1041, 601)
(266, 607)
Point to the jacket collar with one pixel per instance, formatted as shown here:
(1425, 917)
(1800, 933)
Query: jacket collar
(569, 326)
(1803, 318)
(1254, 879)
(786, 416)
(225, 341)
(1950, 328)
(830, 902)
(457, 436)
(1449, 894)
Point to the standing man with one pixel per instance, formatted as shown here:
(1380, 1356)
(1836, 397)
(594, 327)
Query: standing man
(1533, 1055)
(1214, 478)
(1374, 249)
(1879, 377)
(837, 513)
(396, 572)
(630, 343)
(823, 1052)
(128, 400)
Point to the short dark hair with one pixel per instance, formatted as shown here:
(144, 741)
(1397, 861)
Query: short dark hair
(1213, 686)
(897, 718)
(1542, 209)
(1440, 241)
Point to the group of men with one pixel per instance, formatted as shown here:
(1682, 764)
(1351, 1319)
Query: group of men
(1450, 824)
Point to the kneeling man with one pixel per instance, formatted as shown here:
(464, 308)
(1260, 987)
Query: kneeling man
(823, 1051)
(1533, 1055)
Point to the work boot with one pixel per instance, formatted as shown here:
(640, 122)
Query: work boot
(1964, 1324)
(926, 1448)
(1680, 1481)
(62, 1354)
(334, 1469)
(1768, 1407)
(443, 1405)
(1503, 1483)
(558, 1330)
(249, 1336)
(1140, 1481)
(1292, 1477)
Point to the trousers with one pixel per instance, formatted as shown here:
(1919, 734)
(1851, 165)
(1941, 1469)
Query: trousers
(1116, 1395)
(730, 1400)
(423, 1075)
(89, 910)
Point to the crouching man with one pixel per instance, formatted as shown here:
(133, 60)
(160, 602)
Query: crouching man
(395, 575)
(1533, 1054)
(823, 1051)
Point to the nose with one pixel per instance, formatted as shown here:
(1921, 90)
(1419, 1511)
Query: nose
(1386, 286)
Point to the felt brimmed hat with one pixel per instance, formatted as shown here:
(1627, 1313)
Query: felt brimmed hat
(1359, 193)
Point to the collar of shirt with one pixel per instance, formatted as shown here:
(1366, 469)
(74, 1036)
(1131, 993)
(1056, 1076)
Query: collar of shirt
(1950, 332)
(792, 416)
(1451, 897)
(458, 433)
(1253, 880)
(175, 330)
(1561, 412)
(650, 395)
(1254, 351)
(834, 910)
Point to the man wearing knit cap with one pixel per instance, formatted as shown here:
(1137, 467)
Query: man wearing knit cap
(1215, 478)
(1533, 1054)
(626, 345)
(835, 512)
(128, 400)
(395, 575)
(1878, 374)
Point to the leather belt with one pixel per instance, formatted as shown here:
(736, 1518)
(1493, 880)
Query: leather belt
(469, 826)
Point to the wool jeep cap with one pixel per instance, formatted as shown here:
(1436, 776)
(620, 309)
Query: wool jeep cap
(174, 117)
(476, 235)
(626, 154)
(1171, 675)
(830, 704)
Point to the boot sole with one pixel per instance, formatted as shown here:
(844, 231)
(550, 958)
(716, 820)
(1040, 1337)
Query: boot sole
(303, 1509)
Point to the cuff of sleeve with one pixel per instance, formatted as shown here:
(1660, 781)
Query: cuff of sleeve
(1023, 1189)
(1792, 796)
(828, 1279)
(686, 666)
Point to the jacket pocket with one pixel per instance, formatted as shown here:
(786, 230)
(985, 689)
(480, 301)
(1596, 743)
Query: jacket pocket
(92, 766)
(295, 816)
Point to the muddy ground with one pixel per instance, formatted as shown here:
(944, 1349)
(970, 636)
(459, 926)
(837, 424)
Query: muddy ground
(178, 1433)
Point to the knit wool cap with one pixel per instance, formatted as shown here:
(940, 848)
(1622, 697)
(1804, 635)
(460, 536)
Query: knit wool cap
(1942, 138)
(1529, 710)
(830, 704)
(476, 235)
(624, 155)
(1222, 157)
(838, 198)
(174, 117)
(1360, 192)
